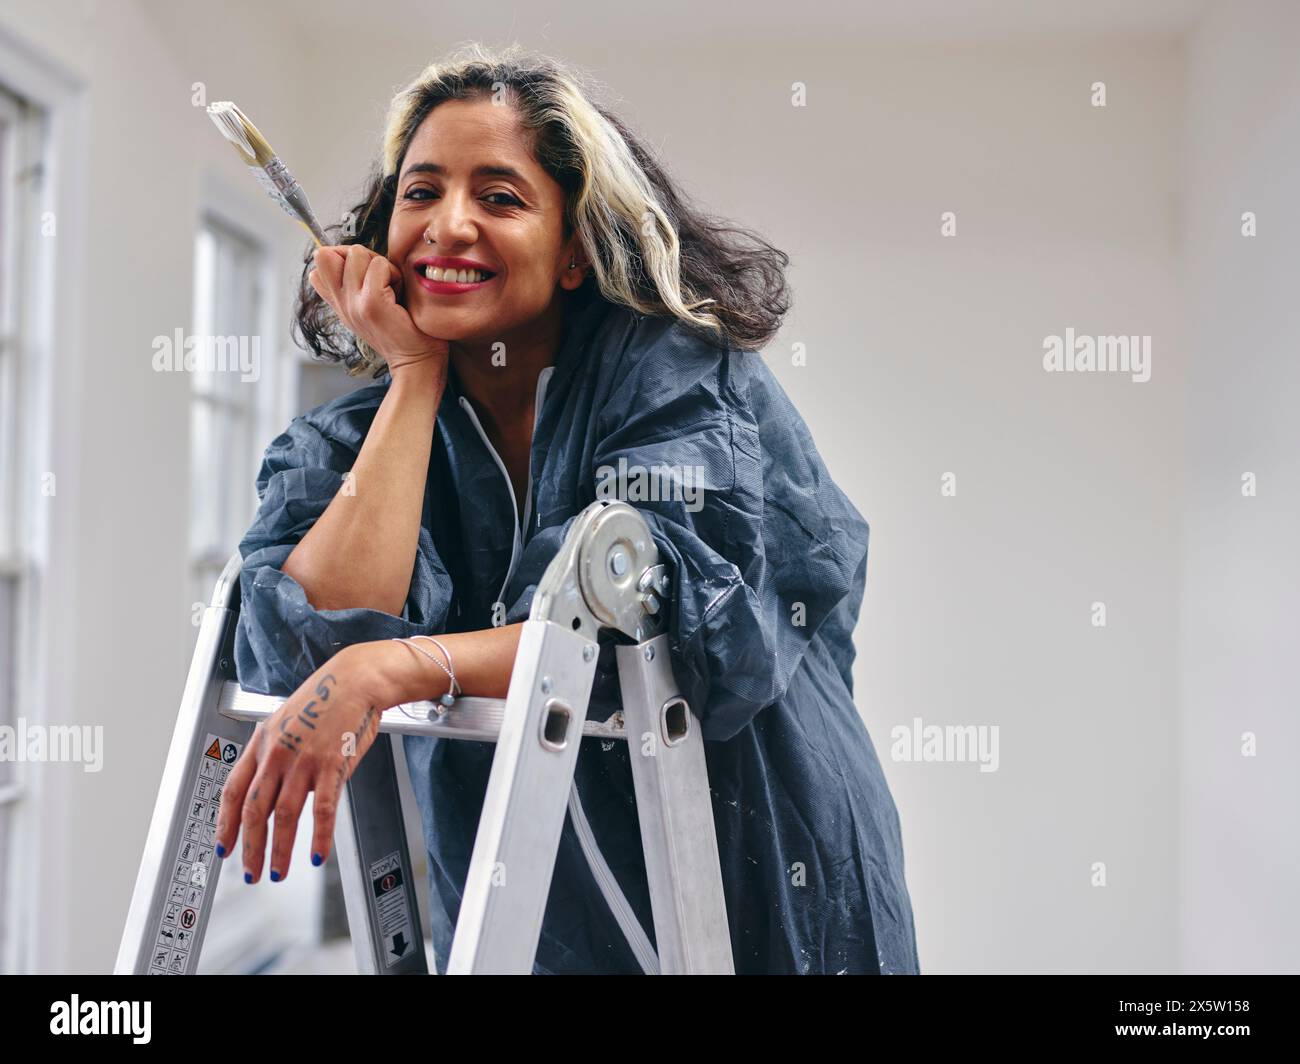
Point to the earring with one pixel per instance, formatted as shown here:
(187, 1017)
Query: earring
(573, 265)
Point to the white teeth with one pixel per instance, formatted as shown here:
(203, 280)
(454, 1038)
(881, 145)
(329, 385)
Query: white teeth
(435, 273)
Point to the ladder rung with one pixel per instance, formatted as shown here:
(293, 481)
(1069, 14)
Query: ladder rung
(469, 718)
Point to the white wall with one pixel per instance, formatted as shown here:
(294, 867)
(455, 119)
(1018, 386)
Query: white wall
(924, 356)
(1240, 865)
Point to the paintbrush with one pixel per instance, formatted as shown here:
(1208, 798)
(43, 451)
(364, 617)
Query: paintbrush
(270, 172)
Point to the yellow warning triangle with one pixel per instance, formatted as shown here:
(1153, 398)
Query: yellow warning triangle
(213, 751)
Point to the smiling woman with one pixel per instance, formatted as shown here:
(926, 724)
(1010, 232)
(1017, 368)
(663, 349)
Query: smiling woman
(551, 321)
(520, 157)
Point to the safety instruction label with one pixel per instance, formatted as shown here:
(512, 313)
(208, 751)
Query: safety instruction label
(396, 931)
(183, 903)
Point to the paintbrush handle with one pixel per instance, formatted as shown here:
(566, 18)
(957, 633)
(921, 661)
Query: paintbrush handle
(283, 187)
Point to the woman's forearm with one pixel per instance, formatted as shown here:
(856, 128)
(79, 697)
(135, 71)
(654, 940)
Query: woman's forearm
(361, 551)
(482, 660)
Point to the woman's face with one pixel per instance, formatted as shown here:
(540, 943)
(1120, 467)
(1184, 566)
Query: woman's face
(469, 183)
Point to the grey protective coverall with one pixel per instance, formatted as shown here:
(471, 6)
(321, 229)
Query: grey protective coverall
(812, 856)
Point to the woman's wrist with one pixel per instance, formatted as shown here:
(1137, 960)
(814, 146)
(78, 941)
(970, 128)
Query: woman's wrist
(395, 673)
(422, 377)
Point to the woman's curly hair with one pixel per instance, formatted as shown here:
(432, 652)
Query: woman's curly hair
(650, 248)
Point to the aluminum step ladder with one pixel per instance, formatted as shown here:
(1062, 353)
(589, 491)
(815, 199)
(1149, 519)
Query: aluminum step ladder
(607, 575)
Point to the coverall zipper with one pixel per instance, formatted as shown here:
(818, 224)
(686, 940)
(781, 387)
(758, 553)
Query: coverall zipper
(516, 548)
(600, 870)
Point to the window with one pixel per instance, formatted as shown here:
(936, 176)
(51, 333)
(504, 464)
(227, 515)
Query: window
(21, 135)
(225, 426)
(227, 433)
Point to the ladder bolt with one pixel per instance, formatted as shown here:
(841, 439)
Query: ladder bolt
(546, 685)
(618, 561)
(649, 653)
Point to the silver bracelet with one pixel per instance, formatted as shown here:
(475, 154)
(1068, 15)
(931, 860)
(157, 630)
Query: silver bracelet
(402, 705)
(450, 697)
(444, 701)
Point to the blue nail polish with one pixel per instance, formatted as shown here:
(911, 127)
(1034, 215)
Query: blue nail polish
(221, 850)
(316, 859)
(248, 877)
(275, 876)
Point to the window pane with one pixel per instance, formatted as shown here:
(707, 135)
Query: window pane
(203, 457)
(22, 153)
(8, 643)
(205, 252)
(227, 451)
(8, 330)
(6, 843)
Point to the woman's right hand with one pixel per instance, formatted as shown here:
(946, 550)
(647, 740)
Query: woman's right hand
(364, 289)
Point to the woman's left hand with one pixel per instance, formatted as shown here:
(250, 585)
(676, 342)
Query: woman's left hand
(313, 742)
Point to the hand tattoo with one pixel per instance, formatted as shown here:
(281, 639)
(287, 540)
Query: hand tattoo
(367, 719)
(307, 716)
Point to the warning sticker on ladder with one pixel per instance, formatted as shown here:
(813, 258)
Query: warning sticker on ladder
(193, 860)
(396, 931)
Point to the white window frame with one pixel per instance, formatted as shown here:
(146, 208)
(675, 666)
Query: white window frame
(240, 208)
(242, 403)
(17, 148)
(58, 134)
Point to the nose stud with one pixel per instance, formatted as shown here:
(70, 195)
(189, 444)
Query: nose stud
(573, 263)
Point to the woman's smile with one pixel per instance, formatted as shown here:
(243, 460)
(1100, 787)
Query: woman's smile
(445, 287)
(441, 275)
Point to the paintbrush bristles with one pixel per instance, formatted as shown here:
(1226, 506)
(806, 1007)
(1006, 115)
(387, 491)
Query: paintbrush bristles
(236, 127)
(270, 171)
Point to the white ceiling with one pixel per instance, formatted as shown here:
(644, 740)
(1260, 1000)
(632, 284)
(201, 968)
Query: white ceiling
(699, 24)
